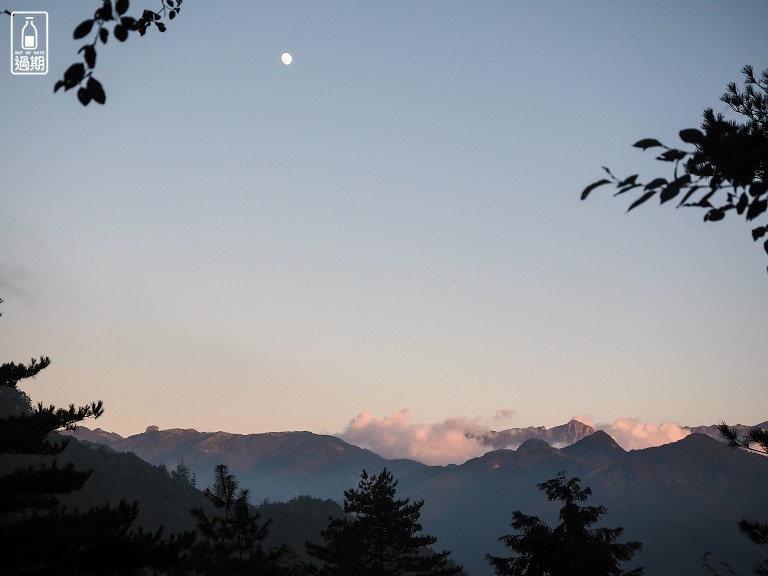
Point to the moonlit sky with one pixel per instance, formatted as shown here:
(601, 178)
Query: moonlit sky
(389, 228)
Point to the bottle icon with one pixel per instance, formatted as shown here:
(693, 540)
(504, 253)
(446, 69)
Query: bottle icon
(29, 34)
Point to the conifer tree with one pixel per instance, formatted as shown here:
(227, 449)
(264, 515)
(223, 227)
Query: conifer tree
(572, 547)
(380, 536)
(37, 536)
(232, 543)
(183, 475)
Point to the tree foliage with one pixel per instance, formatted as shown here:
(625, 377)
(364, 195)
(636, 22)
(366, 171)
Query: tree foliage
(108, 16)
(572, 547)
(755, 440)
(232, 543)
(379, 536)
(723, 171)
(37, 535)
(183, 475)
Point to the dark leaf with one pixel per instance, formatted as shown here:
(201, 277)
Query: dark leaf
(655, 183)
(83, 96)
(673, 188)
(758, 188)
(58, 85)
(743, 203)
(592, 186)
(691, 136)
(160, 26)
(641, 200)
(89, 55)
(172, 15)
(759, 232)
(672, 155)
(170, 3)
(129, 22)
(74, 75)
(646, 143)
(121, 32)
(608, 171)
(704, 202)
(668, 193)
(121, 6)
(627, 181)
(714, 215)
(83, 29)
(106, 10)
(103, 34)
(765, 245)
(96, 90)
(756, 208)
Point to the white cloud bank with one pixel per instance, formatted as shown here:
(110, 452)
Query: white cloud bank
(631, 434)
(397, 436)
(446, 442)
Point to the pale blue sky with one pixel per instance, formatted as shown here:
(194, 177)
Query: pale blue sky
(392, 221)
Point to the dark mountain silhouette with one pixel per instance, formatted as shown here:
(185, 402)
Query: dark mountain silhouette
(680, 500)
(115, 476)
(274, 465)
(598, 448)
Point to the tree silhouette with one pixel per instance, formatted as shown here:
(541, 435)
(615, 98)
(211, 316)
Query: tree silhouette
(572, 547)
(726, 169)
(80, 74)
(231, 544)
(183, 475)
(37, 536)
(380, 536)
(755, 531)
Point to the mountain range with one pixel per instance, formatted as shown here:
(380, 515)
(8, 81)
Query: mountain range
(680, 500)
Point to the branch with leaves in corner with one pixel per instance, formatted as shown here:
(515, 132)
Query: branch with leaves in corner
(81, 73)
(755, 440)
(727, 170)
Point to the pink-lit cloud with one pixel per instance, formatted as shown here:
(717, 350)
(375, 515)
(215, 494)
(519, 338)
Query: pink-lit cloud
(397, 436)
(447, 442)
(633, 434)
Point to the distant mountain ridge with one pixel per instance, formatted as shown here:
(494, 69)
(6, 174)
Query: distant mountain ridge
(563, 435)
(713, 432)
(274, 465)
(281, 465)
(680, 499)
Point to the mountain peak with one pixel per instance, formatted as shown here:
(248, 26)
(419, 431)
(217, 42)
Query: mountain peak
(599, 445)
(533, 444)
(562, 435)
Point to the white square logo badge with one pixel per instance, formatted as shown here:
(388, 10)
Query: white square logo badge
(29, 43)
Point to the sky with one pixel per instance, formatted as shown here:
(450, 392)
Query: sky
(385, 236)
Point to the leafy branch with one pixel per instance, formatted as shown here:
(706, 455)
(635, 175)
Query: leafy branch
(725, 171)
(81, 73)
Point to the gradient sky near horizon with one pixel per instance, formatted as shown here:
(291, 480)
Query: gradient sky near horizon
(391, 222)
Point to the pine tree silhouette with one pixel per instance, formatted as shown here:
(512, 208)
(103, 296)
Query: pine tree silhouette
(37, 536)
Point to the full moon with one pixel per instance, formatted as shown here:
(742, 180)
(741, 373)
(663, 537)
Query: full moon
(286, 58)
